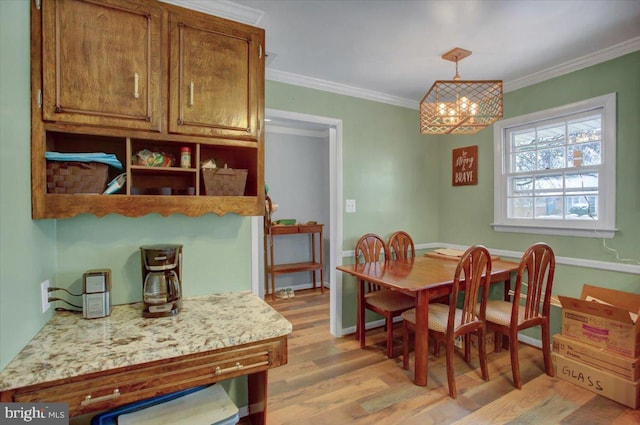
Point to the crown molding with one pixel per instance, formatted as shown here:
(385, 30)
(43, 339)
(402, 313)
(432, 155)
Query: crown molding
(329, 86)
(586, 61)
(600, 56)
(222, 8)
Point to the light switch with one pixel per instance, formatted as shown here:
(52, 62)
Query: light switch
(351, 205)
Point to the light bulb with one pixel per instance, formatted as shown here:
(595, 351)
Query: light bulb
(464, 103)
(442, 108)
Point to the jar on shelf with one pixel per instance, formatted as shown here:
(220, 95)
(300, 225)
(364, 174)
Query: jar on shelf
(185, 157)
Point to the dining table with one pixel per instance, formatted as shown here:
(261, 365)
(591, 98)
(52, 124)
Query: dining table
(427, 277)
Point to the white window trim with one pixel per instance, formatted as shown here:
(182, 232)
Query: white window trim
(606, 224)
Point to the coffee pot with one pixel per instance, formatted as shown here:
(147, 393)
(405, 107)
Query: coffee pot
(161, 292)
(162, 286)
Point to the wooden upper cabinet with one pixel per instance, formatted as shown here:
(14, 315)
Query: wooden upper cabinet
(124, 76)
(216, 77)
(102, 69)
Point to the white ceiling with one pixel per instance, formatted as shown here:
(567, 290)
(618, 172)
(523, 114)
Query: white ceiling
(390, 50)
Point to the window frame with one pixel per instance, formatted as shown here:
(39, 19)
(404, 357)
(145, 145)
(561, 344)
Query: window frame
(605, 225)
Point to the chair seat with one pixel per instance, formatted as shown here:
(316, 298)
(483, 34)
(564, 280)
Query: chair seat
(499, 312)
(388, 300)
(438, 317)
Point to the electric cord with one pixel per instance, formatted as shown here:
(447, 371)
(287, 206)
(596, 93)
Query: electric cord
(595, 228)
(53, 289)
(68, 310)
(51, 299)
(628, 260)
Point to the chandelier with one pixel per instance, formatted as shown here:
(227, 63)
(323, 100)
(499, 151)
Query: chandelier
(460, 107)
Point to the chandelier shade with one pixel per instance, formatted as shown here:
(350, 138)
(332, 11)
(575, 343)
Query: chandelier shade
(460, 107)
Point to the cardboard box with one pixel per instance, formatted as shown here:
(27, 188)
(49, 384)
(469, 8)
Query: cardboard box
(625, 367)
(488, 338)
(609, 326)
(597, 381)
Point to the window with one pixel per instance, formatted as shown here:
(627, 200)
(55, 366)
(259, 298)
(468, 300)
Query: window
(555, 170)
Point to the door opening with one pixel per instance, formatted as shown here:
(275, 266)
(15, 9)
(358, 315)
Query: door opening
(331, 128)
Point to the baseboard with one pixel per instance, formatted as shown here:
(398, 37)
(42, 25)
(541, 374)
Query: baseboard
(368, 325)
(530, 341)
(301, 286)
(243, 411)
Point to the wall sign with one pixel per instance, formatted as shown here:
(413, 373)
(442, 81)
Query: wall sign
(465, 166)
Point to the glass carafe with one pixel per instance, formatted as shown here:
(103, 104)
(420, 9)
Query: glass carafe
(161, 288)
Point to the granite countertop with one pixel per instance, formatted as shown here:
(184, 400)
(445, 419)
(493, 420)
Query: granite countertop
(69, 345)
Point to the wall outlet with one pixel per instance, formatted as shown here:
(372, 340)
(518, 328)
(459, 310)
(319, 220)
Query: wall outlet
(44, 294)
(350, 205)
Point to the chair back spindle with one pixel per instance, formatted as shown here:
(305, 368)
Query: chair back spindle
(401, 246)
(370, 249)
(472, 273)
(538, 263)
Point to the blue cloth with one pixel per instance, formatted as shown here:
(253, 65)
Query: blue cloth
(105, 158)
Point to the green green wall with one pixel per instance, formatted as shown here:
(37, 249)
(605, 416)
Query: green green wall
(216, 251)
(388, 167)
(27, 248)
(457, 204)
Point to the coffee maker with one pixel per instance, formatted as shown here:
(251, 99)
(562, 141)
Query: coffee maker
(161, 279)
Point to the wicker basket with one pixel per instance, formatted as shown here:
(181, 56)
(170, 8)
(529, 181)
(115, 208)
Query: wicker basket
(76, 177)
(224, 181)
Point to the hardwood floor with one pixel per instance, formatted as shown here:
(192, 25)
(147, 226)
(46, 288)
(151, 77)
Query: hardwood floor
(330, 380)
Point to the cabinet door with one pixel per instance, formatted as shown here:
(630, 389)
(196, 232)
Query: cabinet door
(216, 85)
(101, 63)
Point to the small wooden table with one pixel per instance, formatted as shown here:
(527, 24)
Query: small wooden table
(100, 364)
(428, 278)
(271, 269)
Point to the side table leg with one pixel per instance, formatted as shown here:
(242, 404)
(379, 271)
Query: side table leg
(321, 263)
(313, 257)
(257, 383)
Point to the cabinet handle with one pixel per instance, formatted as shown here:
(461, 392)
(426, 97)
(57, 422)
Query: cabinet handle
(136, 81)
(88, 400)
(191, 88)
(238, 366)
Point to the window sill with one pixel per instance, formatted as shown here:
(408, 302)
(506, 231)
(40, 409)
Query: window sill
(559, 231)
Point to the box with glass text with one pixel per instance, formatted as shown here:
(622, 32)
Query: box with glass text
(597, 381)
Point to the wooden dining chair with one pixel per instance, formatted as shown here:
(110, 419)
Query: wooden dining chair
(509, 317)
(446, 322)
(387, 303)
(401, 246)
